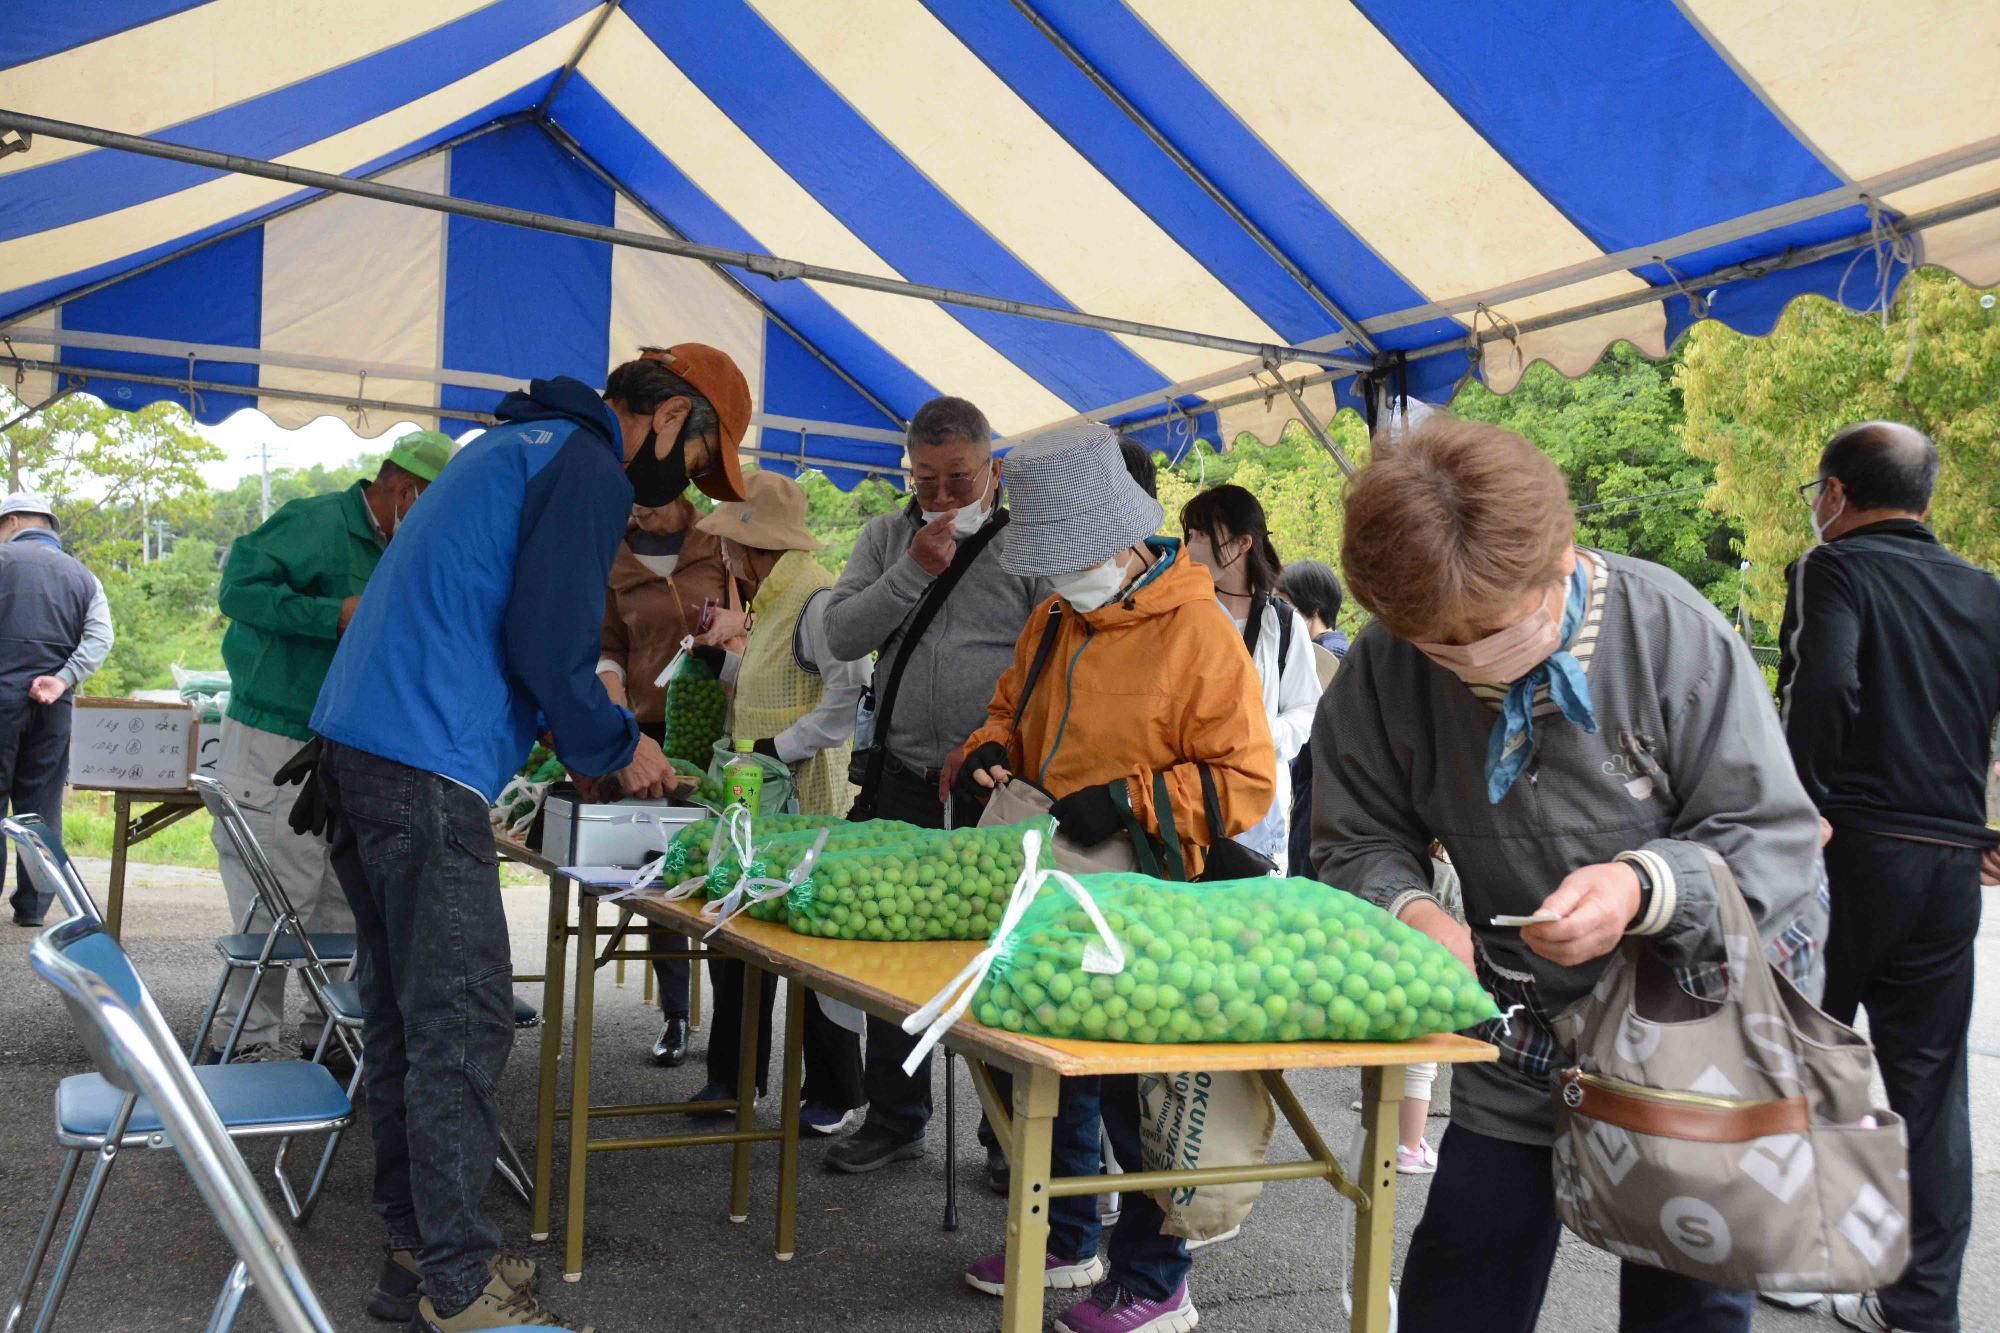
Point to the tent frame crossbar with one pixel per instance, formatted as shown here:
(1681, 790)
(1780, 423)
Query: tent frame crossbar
(767, 265)
(1165, 408)
(79, 378)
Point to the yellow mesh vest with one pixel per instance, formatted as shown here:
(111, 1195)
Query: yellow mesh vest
(773, 691)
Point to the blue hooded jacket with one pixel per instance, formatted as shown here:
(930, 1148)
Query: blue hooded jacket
(486, 607)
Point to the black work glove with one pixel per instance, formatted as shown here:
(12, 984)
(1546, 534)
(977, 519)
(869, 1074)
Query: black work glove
(1088, 816)
(712, 658)
(768, 747)
(310, 815)
(969, 793)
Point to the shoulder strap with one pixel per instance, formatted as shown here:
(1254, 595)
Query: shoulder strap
(1042, 651)
(927, 610)
(1285, 614)
(1253, 625)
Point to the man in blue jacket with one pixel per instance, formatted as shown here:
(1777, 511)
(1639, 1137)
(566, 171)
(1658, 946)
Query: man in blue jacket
(481, 621)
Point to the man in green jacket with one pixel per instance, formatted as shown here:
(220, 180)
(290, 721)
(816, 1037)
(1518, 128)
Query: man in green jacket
(289, 589)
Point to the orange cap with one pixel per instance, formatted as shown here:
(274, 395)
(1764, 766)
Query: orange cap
(714, 374)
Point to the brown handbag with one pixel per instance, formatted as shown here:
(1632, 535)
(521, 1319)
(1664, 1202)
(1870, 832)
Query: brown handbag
(1732, 1141)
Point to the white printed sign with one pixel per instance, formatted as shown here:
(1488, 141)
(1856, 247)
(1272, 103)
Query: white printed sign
(126, 744)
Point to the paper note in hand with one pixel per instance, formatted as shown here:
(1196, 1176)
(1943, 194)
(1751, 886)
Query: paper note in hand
(1537, 919)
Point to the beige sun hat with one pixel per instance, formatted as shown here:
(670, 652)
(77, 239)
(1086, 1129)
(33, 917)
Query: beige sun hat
(772, 516)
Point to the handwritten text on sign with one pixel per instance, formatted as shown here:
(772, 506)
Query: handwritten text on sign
(145, 748)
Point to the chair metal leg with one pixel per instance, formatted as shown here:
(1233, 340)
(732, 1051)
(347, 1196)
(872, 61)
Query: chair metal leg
(64, 1180)
(507, 1164)
(86, 1209)
(302, 1211)
(242, 1014)
(230, 1299)
(208, 1015)
(950, 1140)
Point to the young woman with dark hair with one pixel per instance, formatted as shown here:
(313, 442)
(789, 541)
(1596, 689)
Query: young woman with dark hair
(1227, 535)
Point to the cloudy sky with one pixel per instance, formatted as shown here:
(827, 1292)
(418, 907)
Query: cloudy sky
(326, 440)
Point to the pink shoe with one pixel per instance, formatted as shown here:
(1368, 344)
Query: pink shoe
(1112, 1309)
(990, 1274)
(1421, 1160)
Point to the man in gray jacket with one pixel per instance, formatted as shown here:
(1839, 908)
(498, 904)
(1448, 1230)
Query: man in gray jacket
(1573, 727)
(924, 589)
(55, 630)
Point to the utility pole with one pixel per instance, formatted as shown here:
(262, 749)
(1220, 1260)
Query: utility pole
(264, 470)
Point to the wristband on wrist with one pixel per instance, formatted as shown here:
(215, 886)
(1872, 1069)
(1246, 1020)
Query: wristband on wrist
(1656, 896)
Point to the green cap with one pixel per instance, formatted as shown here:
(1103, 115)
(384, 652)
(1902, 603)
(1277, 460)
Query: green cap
(423, 453)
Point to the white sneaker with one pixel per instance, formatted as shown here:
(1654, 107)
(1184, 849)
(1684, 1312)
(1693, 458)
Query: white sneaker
(1421, 1160)
(1216, 1239)
(1792, 1300)
(1862, 1311)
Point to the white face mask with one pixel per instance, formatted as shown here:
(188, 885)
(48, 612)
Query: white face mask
(1088, 589)
(971, 517)
(1819, 528)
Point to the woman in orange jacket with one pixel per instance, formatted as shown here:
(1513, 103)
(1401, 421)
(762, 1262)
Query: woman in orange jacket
(1143, 683)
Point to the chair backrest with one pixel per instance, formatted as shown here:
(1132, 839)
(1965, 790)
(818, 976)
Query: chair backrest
(49, 866)
(131, 1045)
(270, 890)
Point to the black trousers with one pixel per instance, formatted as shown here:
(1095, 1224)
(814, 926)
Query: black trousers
(832, 1053)
(1900, 946)
(897, 1102)
(671, 976)
(34, 762)
(1481, 1255)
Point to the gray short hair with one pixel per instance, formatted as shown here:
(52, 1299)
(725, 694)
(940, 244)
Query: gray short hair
(949, 421)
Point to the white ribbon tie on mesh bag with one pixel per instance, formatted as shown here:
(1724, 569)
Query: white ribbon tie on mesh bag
(687, 646)
(694, 886)
(937, 1015)
(649, 873)
(754, 889)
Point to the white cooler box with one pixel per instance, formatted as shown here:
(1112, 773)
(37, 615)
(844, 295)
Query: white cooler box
(627, 833)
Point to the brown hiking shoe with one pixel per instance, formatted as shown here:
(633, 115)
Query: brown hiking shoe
(396, 1290)
(499, 1306)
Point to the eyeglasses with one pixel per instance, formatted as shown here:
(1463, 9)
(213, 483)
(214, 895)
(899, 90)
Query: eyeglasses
(1810, 491)
(960, 485)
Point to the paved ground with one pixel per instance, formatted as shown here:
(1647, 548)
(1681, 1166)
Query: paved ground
(662, 1253)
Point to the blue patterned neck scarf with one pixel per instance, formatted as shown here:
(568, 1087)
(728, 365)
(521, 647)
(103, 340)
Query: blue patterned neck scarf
(1513, 741)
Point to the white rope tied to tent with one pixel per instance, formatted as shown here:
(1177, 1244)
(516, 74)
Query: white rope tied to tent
(1697, 303)
(1890, 245)
(1499, 324)
(937, 1015)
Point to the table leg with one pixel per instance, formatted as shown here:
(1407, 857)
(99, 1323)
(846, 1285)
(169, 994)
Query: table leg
(545, 1098)
(1036, 1093)
(695, 970)
(579, 1083)
(788, 1118)
(114, 891)
(746, 1091)
(1375, 1229)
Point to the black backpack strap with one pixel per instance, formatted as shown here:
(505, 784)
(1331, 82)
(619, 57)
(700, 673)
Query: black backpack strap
(1042, 651)
(927, 610)
(1285, 614)
(1211, 805)
(1253, 624)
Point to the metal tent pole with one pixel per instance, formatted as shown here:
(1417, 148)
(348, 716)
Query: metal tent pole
(767, 265)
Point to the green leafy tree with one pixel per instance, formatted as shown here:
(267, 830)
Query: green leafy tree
(109, 472)
(1761, 409)
(1615, 433)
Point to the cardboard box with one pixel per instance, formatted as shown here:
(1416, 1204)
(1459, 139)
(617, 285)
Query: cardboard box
(131, 745)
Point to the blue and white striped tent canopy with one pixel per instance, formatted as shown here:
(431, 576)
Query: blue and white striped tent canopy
(1474, 188)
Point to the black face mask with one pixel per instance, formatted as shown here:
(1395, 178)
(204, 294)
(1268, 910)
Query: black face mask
(658, 481)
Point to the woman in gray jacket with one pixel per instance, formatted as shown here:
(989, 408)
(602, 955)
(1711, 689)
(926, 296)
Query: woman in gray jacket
(1573, 726)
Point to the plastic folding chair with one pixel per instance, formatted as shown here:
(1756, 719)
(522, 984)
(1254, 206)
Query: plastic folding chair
(286, 944)
(339, 1000)
(49, 866)
(146, 1095)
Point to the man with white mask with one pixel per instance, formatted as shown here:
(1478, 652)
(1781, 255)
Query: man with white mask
(1575, 728)
(925, 591)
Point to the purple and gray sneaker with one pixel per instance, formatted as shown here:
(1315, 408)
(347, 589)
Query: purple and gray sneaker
(1112, 1309)
(990, 1274)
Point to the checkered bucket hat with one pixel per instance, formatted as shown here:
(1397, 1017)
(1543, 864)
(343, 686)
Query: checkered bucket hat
(1074, 505)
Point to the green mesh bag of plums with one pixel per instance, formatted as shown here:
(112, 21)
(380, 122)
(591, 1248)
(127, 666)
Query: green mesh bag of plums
(1241, 960)
(920, 884)
(689, 851)
(697, 711)
(778, 860)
